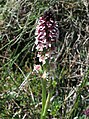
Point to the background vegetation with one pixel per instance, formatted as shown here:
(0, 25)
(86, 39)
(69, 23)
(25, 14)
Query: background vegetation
(20, 88)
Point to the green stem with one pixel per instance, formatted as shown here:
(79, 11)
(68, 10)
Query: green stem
(47, 104)
(43, 94)
(43, 116)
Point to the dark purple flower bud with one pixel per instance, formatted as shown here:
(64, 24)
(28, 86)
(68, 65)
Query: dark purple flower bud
(47, 34)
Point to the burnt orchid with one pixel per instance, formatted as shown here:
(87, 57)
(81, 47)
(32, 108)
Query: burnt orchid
(47, 34)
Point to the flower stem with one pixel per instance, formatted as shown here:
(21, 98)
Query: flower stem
(44, 111)
(46, 106)
(43, 95)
